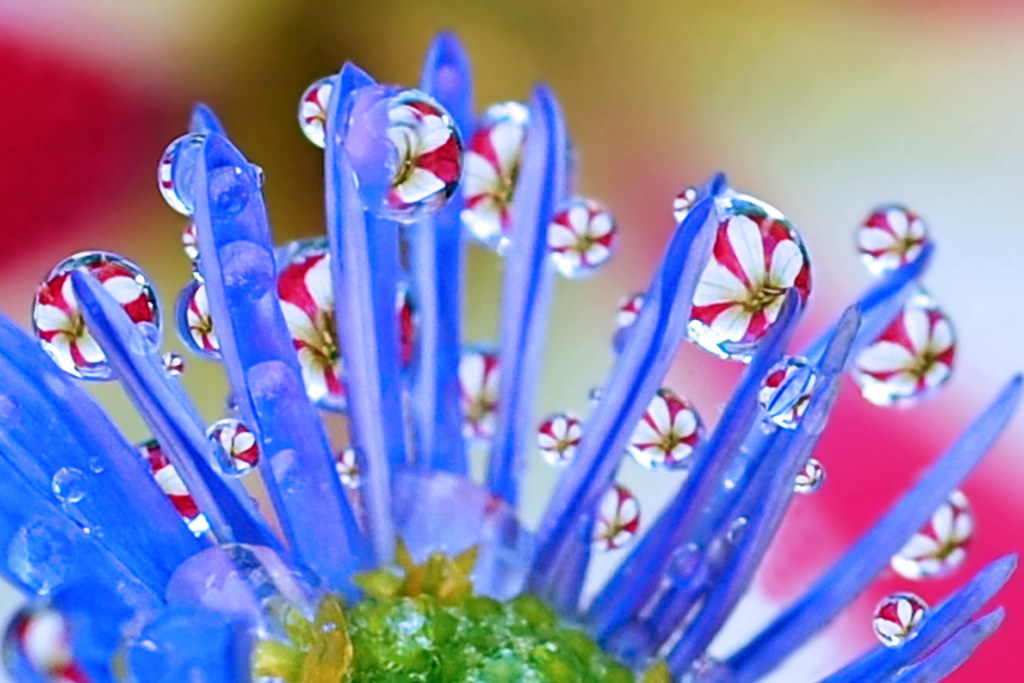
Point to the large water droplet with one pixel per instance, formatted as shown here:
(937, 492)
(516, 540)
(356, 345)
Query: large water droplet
(492, 171)
(176, 171)
(618, 519)
(810, 478)
(478, 385)
(40, 555)
(38, 638)
(581, 237)
(891, 237)
(912, 358)
(68, 484)
(170, 483)
(941, 545)
(313, 110)
(558, 436)
(787, 390)
(237, 450)
(898, 618)
(57, 318)
(667, 433)
(758, 258)
(194, 321)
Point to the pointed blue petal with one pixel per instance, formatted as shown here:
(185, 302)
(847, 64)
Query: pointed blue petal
(436, 254)
(848, 577)
(166, 408)
(942, 622)
(204, 121)
(657, 333)
(953, 653)
(526, 292)
(240, 276)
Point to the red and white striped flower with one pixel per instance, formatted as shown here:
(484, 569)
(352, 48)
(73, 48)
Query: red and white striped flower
(58, 320)
(171, 484)
(618, 519)
(429, 154)
(941, 546)
(199, 322)
(237, 444)
(757, 259)
(492, 170)
(892, 236)
(911, 358)
(42, 636)
(581, 237)
(478, 386)
(683, 202)
(898, 617)
(313, 110)
(349, 467)
(558, 437)
(667, 433)
(307, 300)
(174, 364)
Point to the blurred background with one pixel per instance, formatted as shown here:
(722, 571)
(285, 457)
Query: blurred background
(822, 109)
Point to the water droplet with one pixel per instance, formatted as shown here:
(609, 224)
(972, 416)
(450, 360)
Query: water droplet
(194, 321)
(350, 464)
(260, 174)
(581, 237)
(313, 110)
(173, 487)
(898, 618)
(68, 484)
(891, 237)
(667, 433)
(737, 530)
(230, 189)
(618, 519)
(237, 451)
(96, 466)
(787, 390)
(38, 638)
(558, 437)
(405, 150)
(492, 170)
(478, 386)
(190, 241)
(628, 311)
(810, 478)
(684, 562)
(39, 554)
(595, 395)
(912, 358)
(408, 321)
(941, 545)
(683, 202)
(175, 172)
(57, 318)
(174, 364)
(757, 259)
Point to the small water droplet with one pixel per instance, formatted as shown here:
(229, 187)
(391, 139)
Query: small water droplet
(237, 450)
(618, 519)
(313, 110)
(941, 545)
(230, 188)
(758, 257)
(595, 395)
(176, 170)
(68, 484)
(557, 437)
(194, 321)
(493, 156)
(898, 618)
(190, 241)
(787, 391)
(260, 174)
(95, 465)
(737, 529)
(478, 384)
(684, 562)
(581, 237)
(57, 318)
(174, 364)
(667, 433)
(683, 202)
(810, 478)
(350, 465)
(40, 555)
(891, 237)
(628, 311)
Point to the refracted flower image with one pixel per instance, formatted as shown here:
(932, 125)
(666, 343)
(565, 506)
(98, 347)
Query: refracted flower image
(355, 515)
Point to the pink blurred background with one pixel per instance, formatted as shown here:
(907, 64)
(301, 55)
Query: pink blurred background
(822, 110)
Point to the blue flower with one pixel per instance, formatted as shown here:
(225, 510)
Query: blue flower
(143, 596)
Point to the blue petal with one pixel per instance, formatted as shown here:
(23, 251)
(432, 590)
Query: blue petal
(847, 578)
(657, 333)
(204, 121)
(953, 653)
(526, 292)
(176, 424)
(240, 276)
(96, 617)
(436, 255)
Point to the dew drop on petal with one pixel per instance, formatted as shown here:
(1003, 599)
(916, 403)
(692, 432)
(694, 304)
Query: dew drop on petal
(57, 318)
(350, 464)
(618, 519)
(68, 485)
(898, 618)
(193, 320)
(810, 478)
(787, 390)
(629, 309)
(581, 237)
(941, 545)
(237, 450)
(667, 433)
(174, 364)
(891, 237)
(408, 321)
(39, 554)
(492, 161)
(173, 487)
(38, 638)
(190, 241)
(478, 388)
(683, 202)
(313, 110)
(911, 359)
(758, 257)
(595, 395)
(557, 438)
(175, 172)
